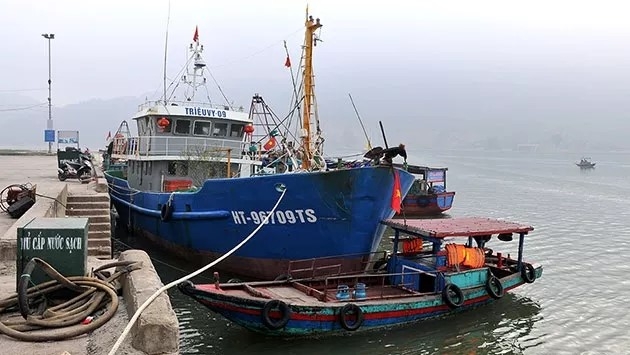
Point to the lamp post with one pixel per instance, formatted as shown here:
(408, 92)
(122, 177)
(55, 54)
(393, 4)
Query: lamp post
(49, 123)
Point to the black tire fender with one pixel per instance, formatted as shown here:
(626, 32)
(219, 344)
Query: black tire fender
(448, 298)
(285, 314)
(494, 287)
(379, 265)
(283, 277)
(528, 273)
(349, 308)
(166, 212)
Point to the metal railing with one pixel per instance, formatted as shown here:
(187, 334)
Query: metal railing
(178, 146)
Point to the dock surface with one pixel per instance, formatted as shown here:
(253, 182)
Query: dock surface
(69, 199)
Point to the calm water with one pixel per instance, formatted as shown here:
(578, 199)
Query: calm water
(581, 236)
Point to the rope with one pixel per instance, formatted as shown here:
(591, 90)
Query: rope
(116, 240)
(189, 276)
(123, 190)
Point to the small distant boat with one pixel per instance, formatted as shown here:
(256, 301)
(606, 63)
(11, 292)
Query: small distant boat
(585, 163)
(425, 277)
(428, 195)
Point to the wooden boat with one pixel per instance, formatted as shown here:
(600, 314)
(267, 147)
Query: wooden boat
(426, 276)
(428, 195)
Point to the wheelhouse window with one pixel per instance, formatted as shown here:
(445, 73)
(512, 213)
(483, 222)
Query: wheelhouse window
(163, 124)
(219, 130)
(182, 127)
(202, 128)
(236, 130)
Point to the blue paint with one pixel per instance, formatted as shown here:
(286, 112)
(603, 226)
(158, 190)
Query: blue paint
(176, 215)
(347, 207)
(359, 291)
(49, 135)
(445, 202)
(343, 292)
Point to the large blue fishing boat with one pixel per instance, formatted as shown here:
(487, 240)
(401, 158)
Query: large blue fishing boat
(197, 183)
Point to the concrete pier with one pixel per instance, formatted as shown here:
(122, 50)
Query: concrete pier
(70, 199)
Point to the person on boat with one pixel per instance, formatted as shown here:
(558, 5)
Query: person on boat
(387, 154)
(424, 187)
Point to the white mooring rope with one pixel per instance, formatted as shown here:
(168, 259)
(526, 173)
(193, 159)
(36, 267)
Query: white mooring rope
(189, 276)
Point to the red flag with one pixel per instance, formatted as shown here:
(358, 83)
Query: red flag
(109, 135)
(196, 36)
(271, 143)
(396, 193)
(287, 63)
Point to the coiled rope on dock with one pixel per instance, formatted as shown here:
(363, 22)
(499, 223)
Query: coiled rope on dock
(133, 319)
(59, 309)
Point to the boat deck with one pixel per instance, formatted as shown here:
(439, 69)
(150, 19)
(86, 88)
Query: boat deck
(457, 227)
(298, 293)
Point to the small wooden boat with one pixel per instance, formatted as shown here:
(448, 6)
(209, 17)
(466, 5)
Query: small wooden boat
(428, 195)
(426, 276)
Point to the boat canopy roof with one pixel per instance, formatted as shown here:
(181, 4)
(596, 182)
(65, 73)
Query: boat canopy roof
(417, 169)
(457, 227)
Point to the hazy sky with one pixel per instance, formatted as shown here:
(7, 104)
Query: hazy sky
(537, 60)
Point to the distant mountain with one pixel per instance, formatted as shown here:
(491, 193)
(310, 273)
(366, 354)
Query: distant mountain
(23, 126)
(24, 121)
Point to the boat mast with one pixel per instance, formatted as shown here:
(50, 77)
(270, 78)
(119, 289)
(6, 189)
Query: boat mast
(307, 74)
(198, 66)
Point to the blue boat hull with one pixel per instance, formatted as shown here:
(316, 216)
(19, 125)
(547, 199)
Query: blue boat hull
(317, 318)
(322, 214)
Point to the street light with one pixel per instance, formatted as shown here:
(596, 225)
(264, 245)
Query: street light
(49, 123)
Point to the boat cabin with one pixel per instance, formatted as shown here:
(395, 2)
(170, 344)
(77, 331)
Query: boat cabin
(426, 254)
(428, 180)
(180, 145)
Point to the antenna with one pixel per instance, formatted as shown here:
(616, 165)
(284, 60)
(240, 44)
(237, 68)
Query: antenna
(361, 122)
(168, 20)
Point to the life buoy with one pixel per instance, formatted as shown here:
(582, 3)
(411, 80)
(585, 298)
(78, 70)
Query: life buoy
(166, 212)
(494, 287)
(285, 314)
(528, 273)
(350, 308)
(448, 297)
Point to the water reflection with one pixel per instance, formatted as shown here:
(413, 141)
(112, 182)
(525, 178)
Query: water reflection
(500, 327)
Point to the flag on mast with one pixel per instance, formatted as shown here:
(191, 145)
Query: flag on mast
(196, 35)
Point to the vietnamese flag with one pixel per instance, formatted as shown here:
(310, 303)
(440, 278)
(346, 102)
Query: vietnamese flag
(396, 193)
(196, 35)
(271, 143)
(287, 63)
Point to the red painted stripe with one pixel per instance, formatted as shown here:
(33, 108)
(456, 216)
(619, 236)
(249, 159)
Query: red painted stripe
(328, 317)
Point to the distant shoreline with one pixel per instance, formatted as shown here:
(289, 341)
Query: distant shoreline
(26, 152)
